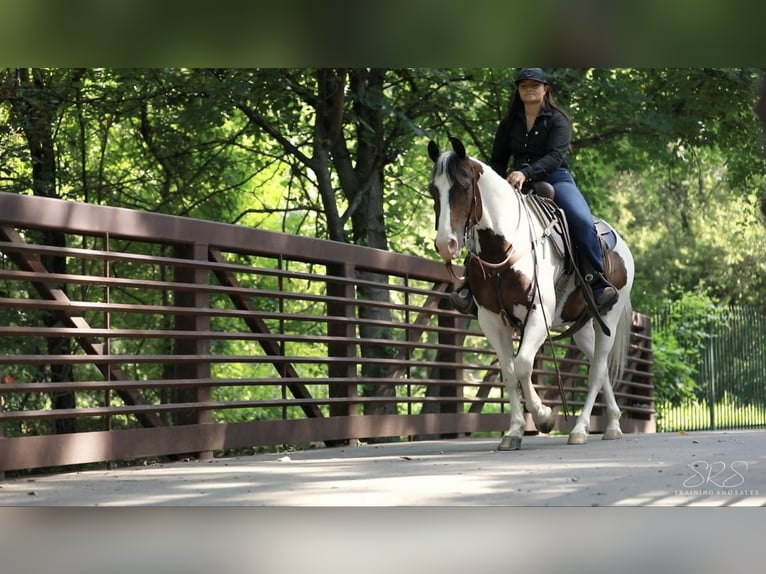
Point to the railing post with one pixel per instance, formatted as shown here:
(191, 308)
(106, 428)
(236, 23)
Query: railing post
(198, 299)
(448, 354)
(347, 330)
(710, 374)
(2, 429)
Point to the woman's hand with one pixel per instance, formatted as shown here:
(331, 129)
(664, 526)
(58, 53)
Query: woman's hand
(516, 179)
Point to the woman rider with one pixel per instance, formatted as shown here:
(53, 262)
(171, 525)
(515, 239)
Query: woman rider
(537, 134)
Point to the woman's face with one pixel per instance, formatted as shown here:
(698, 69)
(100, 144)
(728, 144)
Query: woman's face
(532, 92)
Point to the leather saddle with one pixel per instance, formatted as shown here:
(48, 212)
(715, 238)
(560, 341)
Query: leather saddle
(542, 196)
(542, 200)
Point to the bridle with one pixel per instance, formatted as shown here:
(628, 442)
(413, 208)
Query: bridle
(512, 255)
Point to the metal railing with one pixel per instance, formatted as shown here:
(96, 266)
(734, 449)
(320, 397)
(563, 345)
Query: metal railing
(726, 354)
(129, 335)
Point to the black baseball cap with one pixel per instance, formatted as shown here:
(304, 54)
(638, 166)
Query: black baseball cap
(535, 74)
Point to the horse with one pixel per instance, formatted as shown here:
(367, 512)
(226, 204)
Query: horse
(521, 283)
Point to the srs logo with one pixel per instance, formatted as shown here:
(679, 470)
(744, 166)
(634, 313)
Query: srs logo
(716, 474)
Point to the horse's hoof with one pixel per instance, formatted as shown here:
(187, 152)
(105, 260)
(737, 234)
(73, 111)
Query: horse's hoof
(510, 442)
(577, 438)
(547, 426)
(612, 434)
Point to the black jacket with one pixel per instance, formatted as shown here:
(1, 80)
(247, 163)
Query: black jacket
(535, 153)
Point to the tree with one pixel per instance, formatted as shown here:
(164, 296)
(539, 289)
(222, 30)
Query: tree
(760, 109)
(357, 123)
(340, 154)
(33, 95)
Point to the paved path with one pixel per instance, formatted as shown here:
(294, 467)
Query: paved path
(665, 469)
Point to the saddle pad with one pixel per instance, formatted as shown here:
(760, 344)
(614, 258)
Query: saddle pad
(606, 233)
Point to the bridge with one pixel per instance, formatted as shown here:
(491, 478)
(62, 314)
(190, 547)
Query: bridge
(131, 336)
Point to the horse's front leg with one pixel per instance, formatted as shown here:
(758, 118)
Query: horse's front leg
(500, 337)
(512, 437)
(531, 341)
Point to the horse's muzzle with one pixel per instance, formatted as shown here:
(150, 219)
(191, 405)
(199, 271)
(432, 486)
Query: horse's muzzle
(447, 246)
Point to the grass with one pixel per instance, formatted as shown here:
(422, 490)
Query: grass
(697, 416)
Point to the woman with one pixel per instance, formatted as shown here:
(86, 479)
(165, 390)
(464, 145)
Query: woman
(537, 134)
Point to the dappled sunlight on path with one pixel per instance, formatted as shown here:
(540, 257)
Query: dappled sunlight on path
(695, 469)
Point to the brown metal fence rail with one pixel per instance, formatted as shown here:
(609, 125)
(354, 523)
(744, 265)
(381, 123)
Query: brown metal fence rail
(129, 335)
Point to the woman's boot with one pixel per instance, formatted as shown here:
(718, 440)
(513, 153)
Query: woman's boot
(604, 294)
(462, 300)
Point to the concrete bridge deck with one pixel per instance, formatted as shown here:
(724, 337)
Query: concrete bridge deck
(724, 468)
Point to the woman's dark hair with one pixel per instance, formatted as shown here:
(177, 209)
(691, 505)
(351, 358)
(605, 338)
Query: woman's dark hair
(516, 105)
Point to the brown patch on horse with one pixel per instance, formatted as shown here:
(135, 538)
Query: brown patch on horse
(464, 197)
(460, 205)
(614, 271)
(495, 287)
(573, 307)
(477, 170)
(494, 247)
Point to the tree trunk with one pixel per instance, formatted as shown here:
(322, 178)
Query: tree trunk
(369, 228)
(761, 111)
(361, 178)
(34, 108)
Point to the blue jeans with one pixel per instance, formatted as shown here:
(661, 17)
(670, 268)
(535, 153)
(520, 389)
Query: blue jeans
(579, 217)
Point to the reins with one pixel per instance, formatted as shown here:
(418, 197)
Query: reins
(548, 338)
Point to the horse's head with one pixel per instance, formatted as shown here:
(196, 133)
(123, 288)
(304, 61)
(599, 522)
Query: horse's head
(454, 190)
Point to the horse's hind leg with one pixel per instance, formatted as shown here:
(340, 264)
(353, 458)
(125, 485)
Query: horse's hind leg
(612, 430)
(579, 433)
(598, 380)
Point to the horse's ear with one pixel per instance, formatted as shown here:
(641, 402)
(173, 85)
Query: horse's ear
(433, 150)
(458, 146)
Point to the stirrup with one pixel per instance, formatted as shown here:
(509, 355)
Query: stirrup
(462, 301)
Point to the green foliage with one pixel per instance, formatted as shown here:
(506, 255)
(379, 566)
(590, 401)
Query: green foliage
(244, 146)
(674, 158)
(695, 415)
(680, 330)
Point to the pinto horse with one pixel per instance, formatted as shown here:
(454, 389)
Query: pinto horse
(520, 282)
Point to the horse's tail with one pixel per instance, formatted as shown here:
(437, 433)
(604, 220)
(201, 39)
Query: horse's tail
(619, 353)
